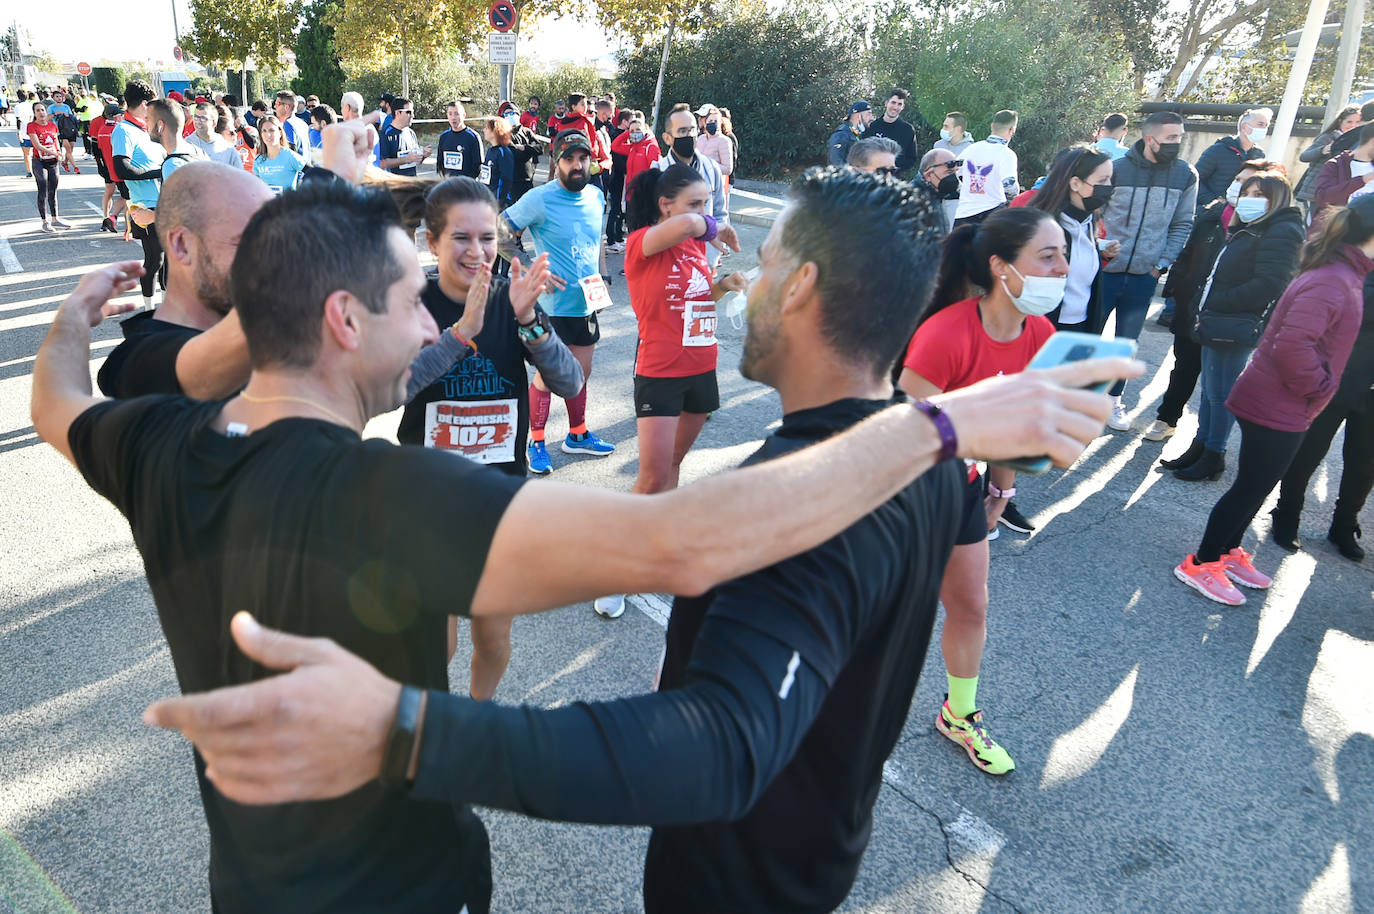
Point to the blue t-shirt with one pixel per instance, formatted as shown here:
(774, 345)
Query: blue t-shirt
(184, 153)
(54, 110)
(567, 227)
(280, 173)
(133, 141)
(297, 138)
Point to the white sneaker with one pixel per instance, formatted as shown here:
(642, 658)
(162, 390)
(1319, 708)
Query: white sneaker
(59, 223)
(1158, 431)
(611, 607)
(994, 533)
(615, 248)
(1119, 420)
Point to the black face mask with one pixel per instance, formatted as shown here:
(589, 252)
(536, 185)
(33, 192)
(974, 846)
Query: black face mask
(948, 187)
(1099, 197)
(685, 147)
(712, 127)
(1167, 152)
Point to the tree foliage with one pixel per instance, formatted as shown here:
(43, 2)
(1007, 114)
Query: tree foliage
(233, 80)
(111, 79)
(787, 80)
(369, 33)
(1027, 55)
(552, 81)
(434, 82)
(317, 59)
(230, 31)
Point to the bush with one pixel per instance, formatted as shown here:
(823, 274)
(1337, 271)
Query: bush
(110, 80)
(1028, 55)
(787, 79)
(233, 80)
(551, 82)
(433, 84)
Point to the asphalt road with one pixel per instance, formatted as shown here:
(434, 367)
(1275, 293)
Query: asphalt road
(1173, 755)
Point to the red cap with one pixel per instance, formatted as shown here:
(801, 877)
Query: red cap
(201, 98)
(176, 96)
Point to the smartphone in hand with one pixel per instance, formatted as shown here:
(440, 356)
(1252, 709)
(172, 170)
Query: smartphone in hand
(1064, 347)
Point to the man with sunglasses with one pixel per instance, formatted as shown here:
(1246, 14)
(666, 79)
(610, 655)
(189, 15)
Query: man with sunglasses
(940, 170)
(875, 155)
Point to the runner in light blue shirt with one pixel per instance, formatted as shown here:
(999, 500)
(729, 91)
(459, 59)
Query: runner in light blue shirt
(277, 166)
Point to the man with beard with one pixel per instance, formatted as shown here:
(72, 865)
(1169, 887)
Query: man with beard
(564, 218)
(192, 343)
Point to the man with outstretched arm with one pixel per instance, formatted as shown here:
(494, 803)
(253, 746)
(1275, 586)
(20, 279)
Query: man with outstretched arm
(370, 545)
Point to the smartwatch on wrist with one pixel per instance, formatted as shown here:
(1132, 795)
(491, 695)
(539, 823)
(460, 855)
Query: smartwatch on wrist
(535, 330)
(400, 741)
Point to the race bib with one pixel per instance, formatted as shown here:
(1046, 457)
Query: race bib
(482, 431)
(485, 174)
(453, 161)
(276, 189)
(698, 323)
(594, 290)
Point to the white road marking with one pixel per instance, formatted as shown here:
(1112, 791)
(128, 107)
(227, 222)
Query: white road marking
(977, 837)
(95, 209)
(653, 606)
(7, 258)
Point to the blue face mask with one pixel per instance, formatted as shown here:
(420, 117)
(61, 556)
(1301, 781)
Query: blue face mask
(1248, 209)
(945, 135)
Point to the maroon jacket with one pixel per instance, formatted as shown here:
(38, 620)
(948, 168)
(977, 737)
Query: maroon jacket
(1333, 188)
(1298, 364)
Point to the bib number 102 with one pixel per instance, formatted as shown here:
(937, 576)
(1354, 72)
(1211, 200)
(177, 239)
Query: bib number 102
(472, 435)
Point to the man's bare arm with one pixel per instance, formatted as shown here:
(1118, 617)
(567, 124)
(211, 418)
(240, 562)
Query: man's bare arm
(62, 370)
(215, 364)
(690, 539)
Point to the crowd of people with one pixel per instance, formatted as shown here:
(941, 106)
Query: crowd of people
(899, 299)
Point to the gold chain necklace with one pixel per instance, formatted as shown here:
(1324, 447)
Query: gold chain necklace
(302, 400)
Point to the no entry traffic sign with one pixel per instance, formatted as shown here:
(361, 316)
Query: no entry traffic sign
(501, 15)
(83, 69)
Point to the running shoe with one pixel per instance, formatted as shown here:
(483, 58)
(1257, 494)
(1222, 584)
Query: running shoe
(612, 607)
(60, 224)
(615, 247)
(972, 734)
(994, 533)
(76, 168)
(1013, 519)
(47, 227)
(1119, 420)
(537, 456)
(67, 168)
(1240, 569)
(1158, 431)
(1210, 580)
(587, 443)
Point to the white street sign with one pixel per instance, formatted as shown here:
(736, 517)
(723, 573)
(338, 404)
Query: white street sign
(501, 47)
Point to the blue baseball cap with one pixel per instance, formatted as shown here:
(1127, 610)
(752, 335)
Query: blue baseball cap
(859, 106)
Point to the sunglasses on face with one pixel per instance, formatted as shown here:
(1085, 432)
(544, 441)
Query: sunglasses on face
(888, 170)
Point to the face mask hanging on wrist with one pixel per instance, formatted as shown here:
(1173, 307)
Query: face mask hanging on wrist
(1039, 294)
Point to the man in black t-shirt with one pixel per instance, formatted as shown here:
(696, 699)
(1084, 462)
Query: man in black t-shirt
(893, 127)
(201, 212)
(460, 149)
(767, 675)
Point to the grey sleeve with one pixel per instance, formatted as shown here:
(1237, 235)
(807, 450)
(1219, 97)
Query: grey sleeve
(1314, 152)
(557, 366)
(433, 361)
(1181, 226)
(718, 208)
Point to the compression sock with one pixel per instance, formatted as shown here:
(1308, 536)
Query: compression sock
(963, 695)
(539, 412)
(147, 303)
(577, 412)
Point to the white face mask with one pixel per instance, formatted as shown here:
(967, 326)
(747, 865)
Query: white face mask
(1233, 192)
(1258, 134)
(1039, 294)
(1248, 209)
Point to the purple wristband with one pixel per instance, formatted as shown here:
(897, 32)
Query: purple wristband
(712, 228)
(949, 441)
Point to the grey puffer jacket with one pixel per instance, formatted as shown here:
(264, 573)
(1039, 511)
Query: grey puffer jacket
(1151, 212)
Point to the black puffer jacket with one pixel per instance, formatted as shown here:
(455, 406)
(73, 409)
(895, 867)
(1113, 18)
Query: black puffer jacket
(1356, 382)
(1257, 264)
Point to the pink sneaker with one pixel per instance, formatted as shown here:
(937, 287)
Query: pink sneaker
(1210, 580)
(1240, 569)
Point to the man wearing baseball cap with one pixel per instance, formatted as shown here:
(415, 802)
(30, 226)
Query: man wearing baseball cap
(564, 218)
(859, 117)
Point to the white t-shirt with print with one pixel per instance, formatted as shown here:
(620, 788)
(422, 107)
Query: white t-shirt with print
(987, 179)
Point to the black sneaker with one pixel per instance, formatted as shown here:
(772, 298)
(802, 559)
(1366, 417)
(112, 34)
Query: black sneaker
(1012, 519)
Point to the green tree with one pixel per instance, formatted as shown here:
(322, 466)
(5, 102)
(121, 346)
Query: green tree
(787, 79)
(433, 84)
(111, 79)
(232, 31)
(1028, 55)
(248, 94)
(656, 23)
(552, 81)
(316, 57)
(369, 33)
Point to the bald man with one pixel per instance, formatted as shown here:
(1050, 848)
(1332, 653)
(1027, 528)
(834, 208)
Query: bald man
(192, 343)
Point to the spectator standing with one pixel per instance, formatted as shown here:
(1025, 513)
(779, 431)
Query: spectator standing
(1111, 134)
(874, 155)
(1076, 189)
(638, 146)
(893, 127)
(529, 119)
(1151, 213)
(615, 189)
(727, 126)
(213, 146)
(1345, 176)
(459, 151)
(401, 152)
(498, 169)
(680, 136)
(1321, 151)
(1292, 377)
(1251, 273)
(1348, 140)
(988, 179)
(717, 147)
(525, 145)
(1217, 167)
(954, 134)
(859, 117)
(940, 171)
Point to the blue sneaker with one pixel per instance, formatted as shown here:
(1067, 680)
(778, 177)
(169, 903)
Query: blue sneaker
(537, 456)
(587, 444)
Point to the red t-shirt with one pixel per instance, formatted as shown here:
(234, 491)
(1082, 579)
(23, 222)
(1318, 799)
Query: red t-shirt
(530, 121)
(663, 289)
(103, 139)
(47, 133)
(952, 350)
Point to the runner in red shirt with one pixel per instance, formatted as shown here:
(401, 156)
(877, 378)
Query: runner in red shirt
(112, 204)
(529, 118)
(42, 134)
(1019, 255)
(638, 146)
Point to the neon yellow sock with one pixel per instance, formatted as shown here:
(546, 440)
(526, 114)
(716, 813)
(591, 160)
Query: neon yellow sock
(963, 695)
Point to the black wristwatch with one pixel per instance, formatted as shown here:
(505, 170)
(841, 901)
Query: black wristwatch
(400, 742)
(536, 329)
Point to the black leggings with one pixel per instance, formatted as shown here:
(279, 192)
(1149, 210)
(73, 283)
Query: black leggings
(1265, 455)
(1183, 378)
(1357, 472)
(45, 173)
(152, 259)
